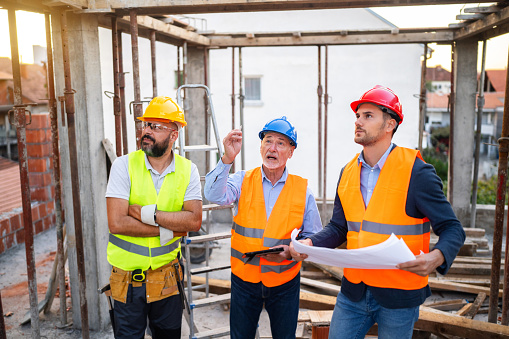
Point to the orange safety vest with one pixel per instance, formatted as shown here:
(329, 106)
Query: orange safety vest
(253, 232)
(385, 214)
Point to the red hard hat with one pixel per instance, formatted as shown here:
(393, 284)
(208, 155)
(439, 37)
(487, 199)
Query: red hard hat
(382, 96)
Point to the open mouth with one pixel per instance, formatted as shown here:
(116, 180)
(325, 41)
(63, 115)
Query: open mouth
(271, 157)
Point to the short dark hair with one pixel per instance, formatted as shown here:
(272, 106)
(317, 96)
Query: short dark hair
(388, 116)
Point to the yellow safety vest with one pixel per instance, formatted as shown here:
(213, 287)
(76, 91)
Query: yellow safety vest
(385, 214)
(130, 253)
(253, 232)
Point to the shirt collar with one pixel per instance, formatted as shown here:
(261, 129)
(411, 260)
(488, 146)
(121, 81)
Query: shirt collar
(380, 163)
(282, 179)
(169, 169)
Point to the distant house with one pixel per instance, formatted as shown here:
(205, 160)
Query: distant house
(438, 84)
(34, 91)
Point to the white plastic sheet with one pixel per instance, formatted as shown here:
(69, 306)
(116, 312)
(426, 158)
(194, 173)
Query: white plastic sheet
(385, 255)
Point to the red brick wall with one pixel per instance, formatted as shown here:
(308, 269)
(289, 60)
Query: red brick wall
(42, 189)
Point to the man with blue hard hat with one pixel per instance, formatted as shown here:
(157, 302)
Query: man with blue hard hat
(270, 203)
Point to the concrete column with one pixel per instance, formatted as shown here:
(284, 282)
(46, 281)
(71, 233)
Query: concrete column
(195, 106)
(465, 82)
(86, 80)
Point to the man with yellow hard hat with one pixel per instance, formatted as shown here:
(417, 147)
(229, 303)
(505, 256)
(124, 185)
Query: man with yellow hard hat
(151, 193)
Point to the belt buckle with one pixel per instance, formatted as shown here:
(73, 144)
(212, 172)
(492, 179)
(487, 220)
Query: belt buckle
(138, 275)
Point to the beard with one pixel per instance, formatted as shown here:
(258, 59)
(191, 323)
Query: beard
(157, 149)
(369, 139)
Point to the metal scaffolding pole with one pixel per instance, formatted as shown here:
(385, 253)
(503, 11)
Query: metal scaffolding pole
(319, 92)
(3, 332)
(241, 107)
(116, 84)
(325, 122)
(20, 123)
(153, 59)
(138, 109)
(422, 97)
(450, 182)
(480, 106)
(56, 174)
(233, 98)
(75, 183)
(121, 81)
(503, 150)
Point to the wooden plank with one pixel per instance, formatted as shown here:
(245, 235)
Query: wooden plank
(320, 318)
(464, 309)
(336, 272)
(440, 323)
(321, 285)
(471, 269)
(314, 301)
(475, 306)
(447, 305)
(469, 16)
(110, 150)
(475, 232)
(450, 286)
(484, 26)
(485, 9)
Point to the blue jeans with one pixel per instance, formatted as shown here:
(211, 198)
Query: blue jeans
(281, 303)
(352, 320)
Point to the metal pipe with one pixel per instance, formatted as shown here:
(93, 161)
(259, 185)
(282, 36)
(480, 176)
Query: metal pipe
(116, 83)
(241, 108)
(184, 81)
(121, 81)
(480, 106)
(503, 151)
(3, 332)
(207, 115)
(56, 173)
(233, 97)
(153, 58)
(73, 155)
(325, 118)
(20, 123)
(136, 76)
(422, 97)
(450, 183)
(319, 92)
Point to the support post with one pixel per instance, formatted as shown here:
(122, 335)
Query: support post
(325, 122)
(319, 92)
(116, 84)
(241, 108)
(153, 59)
(233, 97)
(422, 97)
(20, 123)
(121, 81)
(56, 173)
(138, 109)
(73, 154)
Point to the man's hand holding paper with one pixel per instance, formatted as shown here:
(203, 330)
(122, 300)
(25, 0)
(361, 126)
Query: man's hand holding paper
(386, 255)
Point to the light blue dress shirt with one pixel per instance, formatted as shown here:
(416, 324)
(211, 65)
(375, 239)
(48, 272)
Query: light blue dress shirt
(223, 190)
(369, 175)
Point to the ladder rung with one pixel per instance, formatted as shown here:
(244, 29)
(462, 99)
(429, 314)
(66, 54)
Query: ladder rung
(208, 237)
(214, 333)
(207, 269)
(218, 299)
(213, 207)
(196, 148)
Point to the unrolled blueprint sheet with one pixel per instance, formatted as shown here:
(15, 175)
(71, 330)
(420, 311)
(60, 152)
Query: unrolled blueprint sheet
(385, 255)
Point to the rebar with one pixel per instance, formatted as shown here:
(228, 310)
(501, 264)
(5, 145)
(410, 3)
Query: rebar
(138, 109)
(153, 59)
(116, 84)
(121, 81)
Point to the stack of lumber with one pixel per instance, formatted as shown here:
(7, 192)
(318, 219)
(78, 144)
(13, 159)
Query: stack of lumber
(476, 243)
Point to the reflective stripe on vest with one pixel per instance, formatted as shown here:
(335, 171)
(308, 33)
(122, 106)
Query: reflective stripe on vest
(385, 214)
(253, 232)
(130, 253)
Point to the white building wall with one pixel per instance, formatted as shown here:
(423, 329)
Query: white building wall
(289, 78)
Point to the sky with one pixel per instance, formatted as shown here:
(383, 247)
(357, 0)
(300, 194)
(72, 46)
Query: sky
(31, 32)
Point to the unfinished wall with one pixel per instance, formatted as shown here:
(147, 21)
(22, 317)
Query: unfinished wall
(42, 189)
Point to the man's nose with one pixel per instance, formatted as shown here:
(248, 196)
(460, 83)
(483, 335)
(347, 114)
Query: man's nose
(273, 147)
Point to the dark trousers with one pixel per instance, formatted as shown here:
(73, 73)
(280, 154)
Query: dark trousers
(248, 300)
(164, 316)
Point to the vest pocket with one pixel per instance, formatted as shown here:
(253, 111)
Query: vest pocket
(119, 284)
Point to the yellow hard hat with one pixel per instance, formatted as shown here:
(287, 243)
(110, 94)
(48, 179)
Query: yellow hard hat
(164, 109)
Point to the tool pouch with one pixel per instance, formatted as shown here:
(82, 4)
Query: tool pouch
(119, 282)
(162, 282)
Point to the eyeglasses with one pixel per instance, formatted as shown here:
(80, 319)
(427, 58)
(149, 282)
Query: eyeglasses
(154, 126)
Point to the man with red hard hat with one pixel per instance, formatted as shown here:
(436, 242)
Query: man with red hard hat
(151, 193)
(271, 203)
(383, 190)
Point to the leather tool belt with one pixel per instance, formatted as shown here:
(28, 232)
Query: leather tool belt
(160, 283)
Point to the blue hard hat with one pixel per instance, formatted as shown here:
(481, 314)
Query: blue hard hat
(283, 126)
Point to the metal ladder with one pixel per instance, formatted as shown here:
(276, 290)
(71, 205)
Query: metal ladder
(202, 240)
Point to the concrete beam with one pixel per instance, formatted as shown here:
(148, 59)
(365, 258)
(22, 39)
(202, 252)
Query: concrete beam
(164, 32)
(86, 79)
(221, 6)
(486, 24)
(460, 160)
